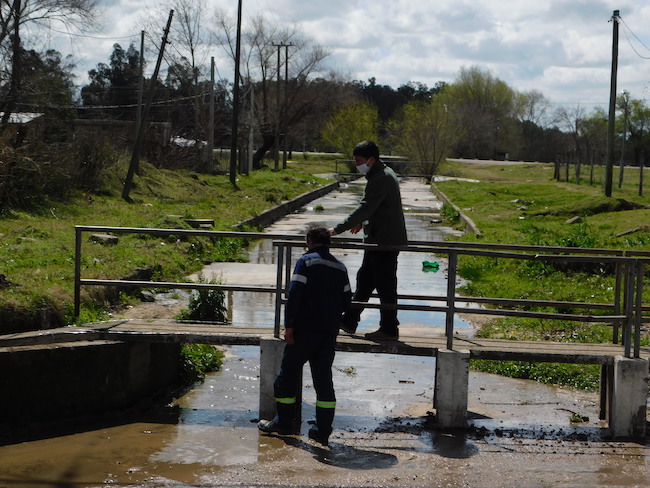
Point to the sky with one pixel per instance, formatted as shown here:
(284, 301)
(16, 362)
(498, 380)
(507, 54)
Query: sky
(562, 48)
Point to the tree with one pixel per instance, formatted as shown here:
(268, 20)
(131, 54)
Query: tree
(422, 131)
(186, 55)
(593, 135)
(484, 110)
(39, 16)
(349, 125)
(309, 87)
(114, 87)
(639, 128)
(570, 119)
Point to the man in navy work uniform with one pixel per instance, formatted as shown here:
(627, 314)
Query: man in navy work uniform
(381, 217)
(318, 294)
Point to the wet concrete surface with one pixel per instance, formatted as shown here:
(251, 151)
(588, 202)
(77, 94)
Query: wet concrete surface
(520, 432)
(423, 223)
(520, 436)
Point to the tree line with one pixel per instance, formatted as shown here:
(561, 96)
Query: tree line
(289, 94)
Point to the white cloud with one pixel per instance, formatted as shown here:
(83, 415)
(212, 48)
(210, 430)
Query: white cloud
(559, 47)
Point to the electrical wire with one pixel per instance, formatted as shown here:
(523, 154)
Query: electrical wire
(625, 31)
(87, 36)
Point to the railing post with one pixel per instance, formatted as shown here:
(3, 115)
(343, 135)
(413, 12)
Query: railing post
(451, 299)
(617, 301)
(278, 291)
(638, 308)
(630, 286)
(287, 269)
(77, 272)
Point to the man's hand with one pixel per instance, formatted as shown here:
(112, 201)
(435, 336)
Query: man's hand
(356, 229)
(332, 232)
(288, 336)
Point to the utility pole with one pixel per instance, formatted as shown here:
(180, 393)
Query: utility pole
(284, 107)
(621, 164)
(251, 133)
(211, 121)
(138, 115)
(609, 160)
(235, 104)
(135, 157)
(277, 111)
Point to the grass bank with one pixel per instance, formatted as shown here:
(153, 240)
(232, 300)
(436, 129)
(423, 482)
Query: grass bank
(37, 246)
(523, 204)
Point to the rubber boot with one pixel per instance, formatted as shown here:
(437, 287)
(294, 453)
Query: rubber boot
(283, 421)
(323, 428)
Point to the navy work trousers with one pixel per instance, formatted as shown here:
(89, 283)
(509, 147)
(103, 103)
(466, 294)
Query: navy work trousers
(318, 350)
(378, 271)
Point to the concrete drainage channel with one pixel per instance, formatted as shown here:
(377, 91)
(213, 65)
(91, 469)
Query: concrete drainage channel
(520, 433)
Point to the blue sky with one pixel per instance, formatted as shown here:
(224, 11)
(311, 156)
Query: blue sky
(562, 48)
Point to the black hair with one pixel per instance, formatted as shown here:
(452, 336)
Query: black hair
(366, 149)
(318, 234)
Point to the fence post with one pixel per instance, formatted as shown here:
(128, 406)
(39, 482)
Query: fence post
(77, 272)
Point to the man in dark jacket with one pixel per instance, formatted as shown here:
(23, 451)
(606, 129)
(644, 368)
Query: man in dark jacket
(381, 217)
(318, 294)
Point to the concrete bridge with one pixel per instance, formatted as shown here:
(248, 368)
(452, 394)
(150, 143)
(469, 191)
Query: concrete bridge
(624, 362)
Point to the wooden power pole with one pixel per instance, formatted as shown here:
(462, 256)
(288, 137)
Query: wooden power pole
(235, 104)
(135, 157)
(609, 161)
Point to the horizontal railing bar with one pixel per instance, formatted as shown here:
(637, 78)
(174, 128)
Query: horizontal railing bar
(192, 232)
(415, 246)
(167, 284)
(473, 252)
(507, 301)
(543, 315)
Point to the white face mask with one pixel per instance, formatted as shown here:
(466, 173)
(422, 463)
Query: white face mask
(363, 168)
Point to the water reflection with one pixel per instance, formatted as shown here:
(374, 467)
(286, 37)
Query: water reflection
(422, 223)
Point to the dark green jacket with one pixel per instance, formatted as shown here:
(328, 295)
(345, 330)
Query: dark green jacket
(380, 210)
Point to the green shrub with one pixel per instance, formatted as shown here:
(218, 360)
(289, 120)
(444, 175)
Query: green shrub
(199, 359)
(206, 305)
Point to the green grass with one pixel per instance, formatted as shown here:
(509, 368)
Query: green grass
(523, 204)
(37, 247)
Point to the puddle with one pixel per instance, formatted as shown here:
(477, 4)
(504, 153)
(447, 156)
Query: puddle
(380, 437)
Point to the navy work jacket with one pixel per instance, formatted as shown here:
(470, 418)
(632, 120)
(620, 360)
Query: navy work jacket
(318, 294)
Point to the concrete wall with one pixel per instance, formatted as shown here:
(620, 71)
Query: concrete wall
(62, 381)
(276, 213)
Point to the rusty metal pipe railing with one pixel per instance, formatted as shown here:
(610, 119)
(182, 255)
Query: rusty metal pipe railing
(629, 276)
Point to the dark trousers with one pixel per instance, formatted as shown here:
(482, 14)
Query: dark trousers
(319, 351)
(378, 271)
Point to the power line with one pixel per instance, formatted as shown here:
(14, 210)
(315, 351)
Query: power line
(625, 31)
(87, 36)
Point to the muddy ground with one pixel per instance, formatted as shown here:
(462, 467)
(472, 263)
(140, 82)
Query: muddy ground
(521, 434)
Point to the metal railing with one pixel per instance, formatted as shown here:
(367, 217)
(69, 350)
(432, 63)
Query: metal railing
(625, 312)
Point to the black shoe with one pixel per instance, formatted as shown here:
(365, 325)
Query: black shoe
(348, 328)
(270, 426)
(318, 436)
(380, 335)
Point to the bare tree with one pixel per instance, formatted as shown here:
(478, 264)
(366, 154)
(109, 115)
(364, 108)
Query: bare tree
(187, 50)
(570, 119)
(308, 87)
(535, 108)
